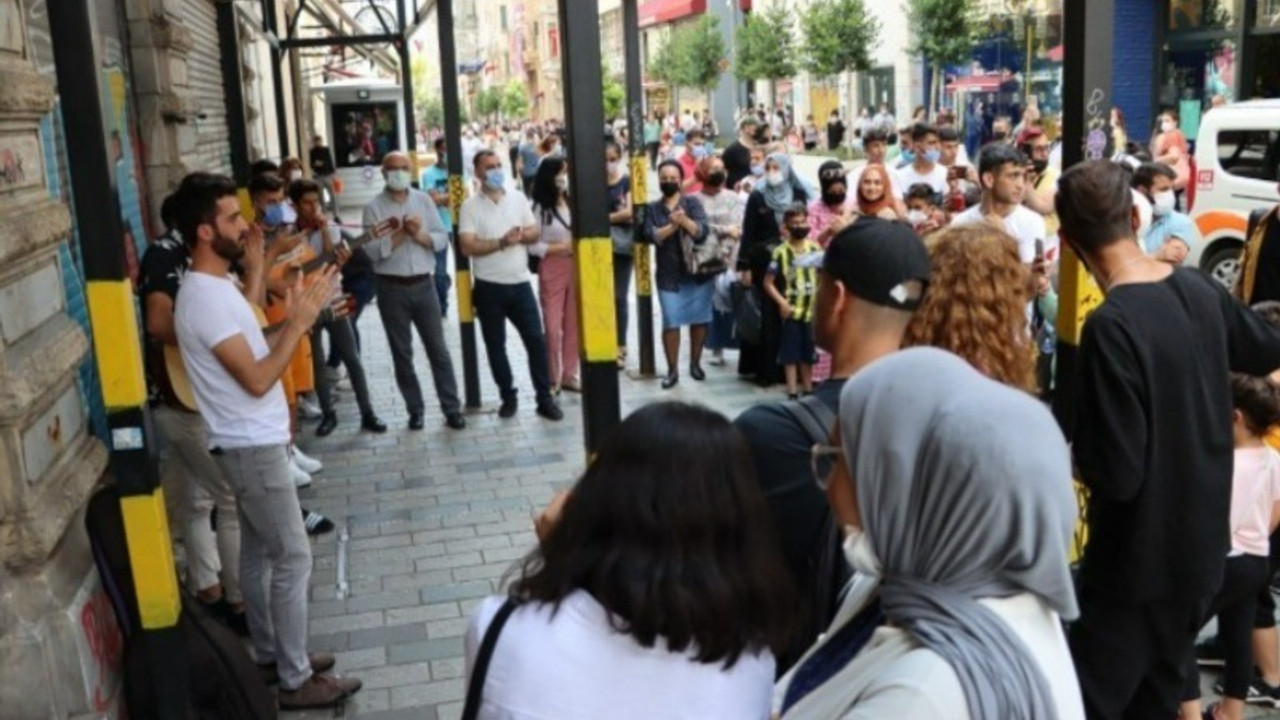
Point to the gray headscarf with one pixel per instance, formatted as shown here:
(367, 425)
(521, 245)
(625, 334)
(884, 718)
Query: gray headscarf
(964, 486)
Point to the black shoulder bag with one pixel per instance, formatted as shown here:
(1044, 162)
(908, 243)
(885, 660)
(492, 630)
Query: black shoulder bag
(475, 688)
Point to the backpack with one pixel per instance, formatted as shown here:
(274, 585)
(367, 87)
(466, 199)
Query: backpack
(702, 259)
(223, 681)
(830, 571)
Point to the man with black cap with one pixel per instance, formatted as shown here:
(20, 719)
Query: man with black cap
(873, 276)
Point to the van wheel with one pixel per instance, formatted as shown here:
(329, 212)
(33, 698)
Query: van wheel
(1224, 266)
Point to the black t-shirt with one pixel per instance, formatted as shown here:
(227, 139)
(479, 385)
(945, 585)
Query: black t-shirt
(1152, 433)
(737, 162)
(1266, 281)
(780, 451)
(321, 161)
(164, 265)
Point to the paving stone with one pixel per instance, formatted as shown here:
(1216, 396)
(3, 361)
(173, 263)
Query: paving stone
(435, 649)
(387, 637)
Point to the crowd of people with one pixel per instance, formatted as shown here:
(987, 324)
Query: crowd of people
(890, 540)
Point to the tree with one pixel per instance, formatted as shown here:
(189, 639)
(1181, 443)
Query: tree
(515, 101)
(945, 31)
(691, 56)
(766, 47)
(839, 37)
(431, 112)
(615, 95)
(488, 101)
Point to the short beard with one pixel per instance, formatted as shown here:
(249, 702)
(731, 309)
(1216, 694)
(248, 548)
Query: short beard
(228, 249)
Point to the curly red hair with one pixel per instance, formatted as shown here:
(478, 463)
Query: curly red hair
(976, 305)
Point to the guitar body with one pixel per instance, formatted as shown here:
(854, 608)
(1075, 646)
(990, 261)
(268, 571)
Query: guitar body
(179, 383)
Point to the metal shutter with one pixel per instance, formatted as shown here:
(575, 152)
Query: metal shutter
(204, 73)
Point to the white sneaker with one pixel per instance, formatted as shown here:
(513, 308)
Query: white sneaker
(301, 478)
(305, 462)
(334, 374)
(309, 410)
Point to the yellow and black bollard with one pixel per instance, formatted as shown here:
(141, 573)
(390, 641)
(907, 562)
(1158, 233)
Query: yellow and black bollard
(642, 250)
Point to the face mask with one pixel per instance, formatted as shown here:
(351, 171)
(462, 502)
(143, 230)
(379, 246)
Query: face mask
(1039, 165)
(799, 231)
(757, 170)
(1163, 203)
(1168, 126)
(716, 179)
(398, 180)
(295, 175)
(916, 217)
(932, 156)
(699, 151)
(774, 178)
(833, 198)
(909, 155)
(858, 552)
(562, 183)
(494, 179)
(273, 214)
(613, 167)
(669, 189)
(1000, 136)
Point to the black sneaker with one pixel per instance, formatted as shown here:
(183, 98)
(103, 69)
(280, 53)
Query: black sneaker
(455, 421)
(508, 408)
(1254, 695)
(1209, 653)
(550, 410)
(316, 523)
(1260, 693)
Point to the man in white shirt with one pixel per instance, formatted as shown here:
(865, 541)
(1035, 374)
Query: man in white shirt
(470, 146)
(405, 265)
(235, 374)
(495, 228)
(926, 167)
(1002, 171)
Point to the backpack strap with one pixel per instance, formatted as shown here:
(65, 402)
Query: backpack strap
(814, 416)
(475, 688)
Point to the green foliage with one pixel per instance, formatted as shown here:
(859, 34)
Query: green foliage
(839, 36)
(691, 55)
(430, 111)
(944, 30)
(488, 101)
(766, 45)
(615, 95)
(515, 101)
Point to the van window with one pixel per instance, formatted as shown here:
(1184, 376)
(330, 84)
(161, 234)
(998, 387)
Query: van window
(1251, 154)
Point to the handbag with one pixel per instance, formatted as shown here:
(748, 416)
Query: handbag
(747, 317)
(702, 259)
(475, 687)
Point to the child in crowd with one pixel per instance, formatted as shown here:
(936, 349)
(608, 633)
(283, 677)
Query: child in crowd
(791, 282)
(1255, 513)
(922, 209)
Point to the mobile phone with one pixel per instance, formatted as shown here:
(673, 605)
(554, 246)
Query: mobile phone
(1039, 250)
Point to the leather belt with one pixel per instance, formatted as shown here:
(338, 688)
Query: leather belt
(405, 279)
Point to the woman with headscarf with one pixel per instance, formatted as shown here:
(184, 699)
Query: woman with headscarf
(761, 232)
(832, 212)
(957, 529)
(875, 193)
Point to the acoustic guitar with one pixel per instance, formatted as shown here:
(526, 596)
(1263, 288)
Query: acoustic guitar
(303, 259)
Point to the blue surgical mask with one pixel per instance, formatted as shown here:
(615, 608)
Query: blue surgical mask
(757, 170)
(699, 151)
(273, 214)
(908, 155)
(495, 179)
(932, 156)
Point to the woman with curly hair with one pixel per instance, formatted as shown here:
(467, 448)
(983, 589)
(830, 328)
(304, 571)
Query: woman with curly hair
(976, 306)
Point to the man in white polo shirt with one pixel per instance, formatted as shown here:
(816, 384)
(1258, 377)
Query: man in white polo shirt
(235, 372)
(495, 228)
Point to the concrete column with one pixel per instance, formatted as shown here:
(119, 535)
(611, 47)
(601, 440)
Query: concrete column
(59, 645)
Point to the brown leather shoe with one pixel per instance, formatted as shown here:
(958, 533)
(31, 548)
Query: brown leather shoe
(320, 662)
(319, 691)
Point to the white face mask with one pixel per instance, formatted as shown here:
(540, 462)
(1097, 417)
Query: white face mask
(1163, 203)
(613, 167)
(774, 177)
(562, 183)
(398, 180)
(295, 175)
(916, 217)
(1168, 125)
(858, 552)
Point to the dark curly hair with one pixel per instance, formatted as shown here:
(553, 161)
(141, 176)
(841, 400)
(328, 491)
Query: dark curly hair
(669, 531)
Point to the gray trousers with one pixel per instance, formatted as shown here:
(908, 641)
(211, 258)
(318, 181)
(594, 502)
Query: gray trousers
(343, 340)
(275, 557)
(404, 307)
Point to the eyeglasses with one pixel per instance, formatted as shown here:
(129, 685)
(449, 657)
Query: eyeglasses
(822, 460)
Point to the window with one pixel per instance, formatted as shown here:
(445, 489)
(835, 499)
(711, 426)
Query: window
(1268, 14)
(364, 132)
(553, 42)
(502, 14)
(1250, 153)
(1185, 15)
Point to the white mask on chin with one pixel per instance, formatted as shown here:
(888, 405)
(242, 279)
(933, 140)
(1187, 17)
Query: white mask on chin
(859, 553)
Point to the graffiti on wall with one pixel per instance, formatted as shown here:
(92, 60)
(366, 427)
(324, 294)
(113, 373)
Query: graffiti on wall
(100, 635)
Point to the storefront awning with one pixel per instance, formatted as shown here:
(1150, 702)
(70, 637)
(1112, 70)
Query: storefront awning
(975, 83)
(656, 12)
(1054, 54)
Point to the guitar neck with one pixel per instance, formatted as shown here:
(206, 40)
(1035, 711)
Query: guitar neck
(322, 259)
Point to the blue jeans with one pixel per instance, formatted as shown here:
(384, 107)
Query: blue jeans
(497, 303)
(443, 280)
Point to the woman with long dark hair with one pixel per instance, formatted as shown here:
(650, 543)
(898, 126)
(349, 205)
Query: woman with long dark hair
(656, 592)
(620, 232)
(557, 289)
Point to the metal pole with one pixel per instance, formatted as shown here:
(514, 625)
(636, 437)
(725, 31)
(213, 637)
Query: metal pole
(406, 85)
(233, 92)
(1086, 106)
(643, 251)
(277, 77)
(457, 193)
(118, 355)
(588, 199)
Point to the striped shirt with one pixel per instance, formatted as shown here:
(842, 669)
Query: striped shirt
(797, 273)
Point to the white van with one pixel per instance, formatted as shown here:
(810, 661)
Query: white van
(1234, 171)
(363, 121)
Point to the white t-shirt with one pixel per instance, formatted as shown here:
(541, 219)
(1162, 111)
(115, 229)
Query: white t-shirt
(1255, 490)
(574, 666)
(935, 178)
(1024, 224)
(490, 220)
(208, 311)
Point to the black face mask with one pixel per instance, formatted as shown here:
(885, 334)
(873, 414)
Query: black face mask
(834, 198)
(669, 189)
(716, 179)
(1000, 136)
(1039, 165)
(799, 231)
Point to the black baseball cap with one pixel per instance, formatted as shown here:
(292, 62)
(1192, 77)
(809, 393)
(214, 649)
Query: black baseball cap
(876, 259)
